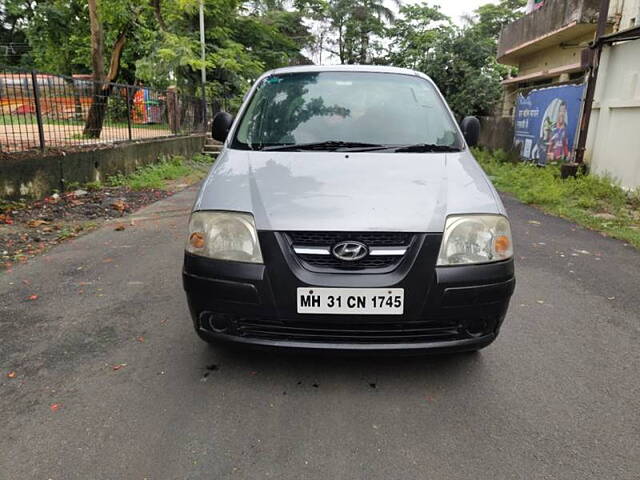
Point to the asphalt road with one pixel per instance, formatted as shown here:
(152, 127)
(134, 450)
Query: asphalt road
(557, 396)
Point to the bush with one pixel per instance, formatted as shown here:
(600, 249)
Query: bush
(155, 175)
(593, 201)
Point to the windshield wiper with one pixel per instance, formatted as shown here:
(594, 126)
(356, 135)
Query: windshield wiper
(328, 145)
(335, 145)
(425, 147)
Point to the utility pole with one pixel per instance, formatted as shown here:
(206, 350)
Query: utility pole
(204, 68)
(594, 54)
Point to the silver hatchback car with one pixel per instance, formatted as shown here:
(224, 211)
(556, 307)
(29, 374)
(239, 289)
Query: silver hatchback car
(347, 212)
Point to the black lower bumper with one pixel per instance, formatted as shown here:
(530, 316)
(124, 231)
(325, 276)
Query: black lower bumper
(447, 309)
(435, 346)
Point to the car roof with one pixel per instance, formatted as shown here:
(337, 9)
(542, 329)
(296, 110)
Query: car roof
(346, 68)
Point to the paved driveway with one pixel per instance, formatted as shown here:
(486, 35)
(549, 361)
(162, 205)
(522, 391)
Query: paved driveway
(112, 383)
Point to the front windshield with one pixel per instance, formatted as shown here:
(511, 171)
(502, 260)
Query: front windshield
(346, 107)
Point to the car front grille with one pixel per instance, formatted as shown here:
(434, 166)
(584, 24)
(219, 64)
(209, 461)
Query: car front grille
(339, 332)
(327, 240)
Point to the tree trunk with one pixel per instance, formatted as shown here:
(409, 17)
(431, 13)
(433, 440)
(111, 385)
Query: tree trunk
(93, 125)
(340, 45)
(364, 40)
(97, 112)
(102, 89)
(173, 110)
(97, 42)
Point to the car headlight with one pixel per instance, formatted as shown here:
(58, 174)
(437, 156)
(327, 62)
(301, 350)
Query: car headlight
(470, 239)
(224, 236)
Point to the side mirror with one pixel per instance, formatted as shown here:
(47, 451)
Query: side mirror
(221, 125)
(470, 127)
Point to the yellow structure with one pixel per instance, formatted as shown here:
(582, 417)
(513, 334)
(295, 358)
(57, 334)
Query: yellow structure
(546, 44)
(548, 47)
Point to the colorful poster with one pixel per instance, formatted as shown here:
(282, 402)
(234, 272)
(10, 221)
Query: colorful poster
(546, 122)
(147, 107)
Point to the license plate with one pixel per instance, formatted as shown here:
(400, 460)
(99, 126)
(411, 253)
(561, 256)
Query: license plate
(351, 301)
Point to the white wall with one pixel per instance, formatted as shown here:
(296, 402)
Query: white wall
(628, 10)
(630, 14)
(613, 144)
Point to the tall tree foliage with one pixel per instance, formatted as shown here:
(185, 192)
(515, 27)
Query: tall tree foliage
(242, 40)
(490, 18)
(124, 17)
(356, 28)
(13, 41)
(160, 38)
(461, 60)
(156, 42)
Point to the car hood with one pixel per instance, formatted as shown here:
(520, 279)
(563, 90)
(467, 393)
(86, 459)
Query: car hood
(334, 191)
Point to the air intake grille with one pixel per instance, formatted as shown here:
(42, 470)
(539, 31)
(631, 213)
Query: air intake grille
(328, 261)
(348, 333)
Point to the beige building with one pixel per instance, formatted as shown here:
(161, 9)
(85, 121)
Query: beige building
(547, 45)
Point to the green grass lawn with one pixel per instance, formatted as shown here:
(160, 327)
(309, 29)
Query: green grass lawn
(589, 200)
(27, 119)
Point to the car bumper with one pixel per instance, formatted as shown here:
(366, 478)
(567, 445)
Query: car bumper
(447, 309)
(449, 346)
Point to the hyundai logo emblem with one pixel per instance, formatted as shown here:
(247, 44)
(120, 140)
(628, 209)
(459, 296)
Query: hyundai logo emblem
(350, 251)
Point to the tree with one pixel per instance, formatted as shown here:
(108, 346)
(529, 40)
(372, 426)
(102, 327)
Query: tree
(357, 27)
(59, 34)
(102, 86)
(156, 42)
(97, 42)
(415, 34)
(13, 47)
(490, 18)
(242, 41)
(460, 60)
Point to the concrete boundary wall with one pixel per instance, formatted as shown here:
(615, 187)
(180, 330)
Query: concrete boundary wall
(37, 176)
(496, 132)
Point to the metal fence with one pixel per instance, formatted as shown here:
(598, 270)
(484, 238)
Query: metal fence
(39, 111)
